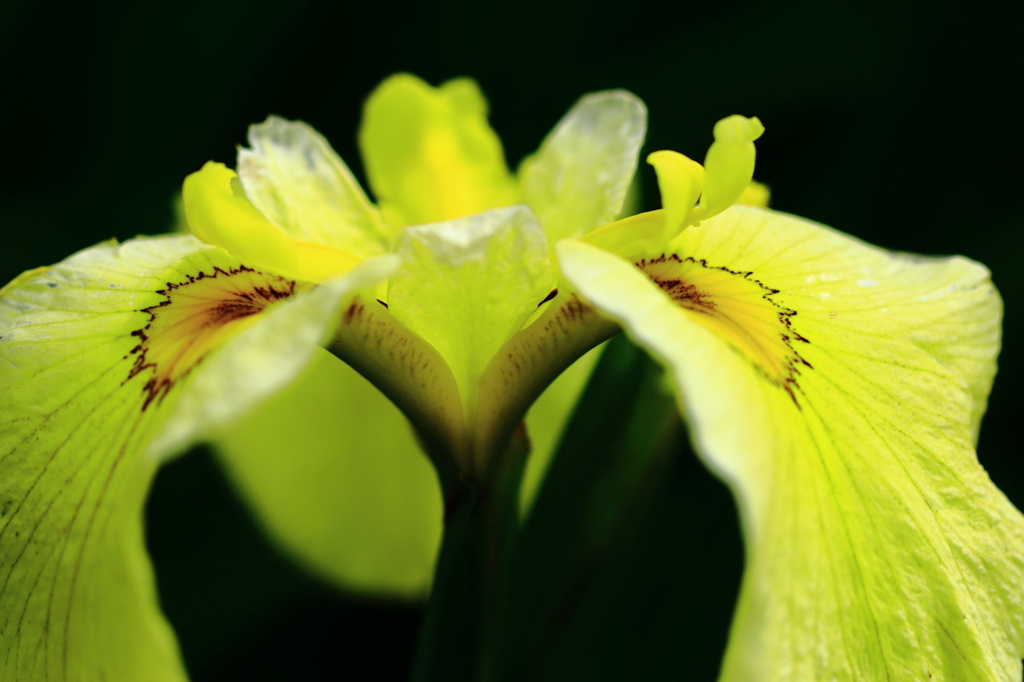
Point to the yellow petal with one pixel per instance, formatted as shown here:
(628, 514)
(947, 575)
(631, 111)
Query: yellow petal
(219, 214)
(467, 286)
(756, 194)
(430, 154)
(578, 179)
(294, 178)
(836, 388)
(681, 181)
(115, 358)
(729, 165)
(723, 180)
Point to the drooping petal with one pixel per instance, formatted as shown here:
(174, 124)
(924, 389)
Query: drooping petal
(578, 179)
(294, 178)
(219, 213)
(466, 286)
(430, 154)
(98, 357)
(336, 475)
(834, 386)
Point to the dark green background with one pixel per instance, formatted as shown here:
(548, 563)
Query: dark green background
(895, 122)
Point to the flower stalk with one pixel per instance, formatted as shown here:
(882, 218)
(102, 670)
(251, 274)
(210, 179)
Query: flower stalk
(462, 630)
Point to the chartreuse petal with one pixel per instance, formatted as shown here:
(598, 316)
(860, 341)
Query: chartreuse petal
(467, 286)
(680, 181)
(336, 475)
(835, 387)
(98, 356)
(219, 213)
(578, 179)
(294, 178)
(525, 367)
(430, 154)
(729, 165)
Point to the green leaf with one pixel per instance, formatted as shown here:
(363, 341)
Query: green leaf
(609, 470)
(547, 419)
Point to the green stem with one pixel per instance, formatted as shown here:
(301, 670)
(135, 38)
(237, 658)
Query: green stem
(464, 618)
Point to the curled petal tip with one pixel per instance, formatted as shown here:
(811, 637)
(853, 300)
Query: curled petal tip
(738, 128)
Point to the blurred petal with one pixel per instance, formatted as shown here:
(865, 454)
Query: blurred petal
(756, 194)
(578, 179)
(835, 387)
(335, 473)
(294, 178)
(111, 360)
(430, 154)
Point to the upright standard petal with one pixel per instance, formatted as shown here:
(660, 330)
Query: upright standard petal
(834, 386)
(430, 154)
(300, 184)
(577, 180)
(111, 360)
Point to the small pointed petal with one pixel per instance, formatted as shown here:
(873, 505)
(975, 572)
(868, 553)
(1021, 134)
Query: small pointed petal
(836, 388)
(578, 179)
(294, 178)
(218, 213)
(430, 154)
(756, 194)
(633, 237)
(680, 180)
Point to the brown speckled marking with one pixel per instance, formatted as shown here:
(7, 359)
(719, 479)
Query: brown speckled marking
(237, 304)
(702, 302)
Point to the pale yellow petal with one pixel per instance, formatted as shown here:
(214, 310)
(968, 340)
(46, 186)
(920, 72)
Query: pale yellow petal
(296, 180)
(834, 387)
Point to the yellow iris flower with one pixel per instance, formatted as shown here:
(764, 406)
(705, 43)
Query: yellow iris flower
(835, 387)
